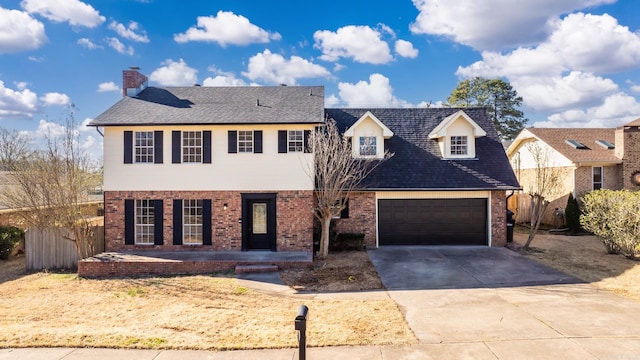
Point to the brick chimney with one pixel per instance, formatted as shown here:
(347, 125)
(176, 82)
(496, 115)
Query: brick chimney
(628, 150)
(133, 82)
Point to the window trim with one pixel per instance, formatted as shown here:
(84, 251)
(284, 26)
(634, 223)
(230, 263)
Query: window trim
(458, 146)
(593, 177)
(149, 227)
(150, 155)
(362, 146)
(247, 143)
(196, 147)
(296, 148)
(188, 227)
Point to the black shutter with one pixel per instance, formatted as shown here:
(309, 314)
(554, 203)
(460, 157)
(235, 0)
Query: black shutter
(344, 214)
(257, 141)
(128, 147)
(206, 222)
(158, 226)
(282, 141)
(157, 147)
(307, 146)
(206, 147)
(233, 141)
(177, 222)
(129, 221)
(175, 146)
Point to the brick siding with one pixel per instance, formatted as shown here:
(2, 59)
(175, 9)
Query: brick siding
(631, 157)
(362, 217)
(498, 218)
(294, 224)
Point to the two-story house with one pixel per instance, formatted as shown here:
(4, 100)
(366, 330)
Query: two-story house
(227, 170)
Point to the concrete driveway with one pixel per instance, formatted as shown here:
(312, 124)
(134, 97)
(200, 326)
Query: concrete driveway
(499, 304)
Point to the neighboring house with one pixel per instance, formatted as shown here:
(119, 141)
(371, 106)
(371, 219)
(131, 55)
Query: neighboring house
(227, 169)
(587, 159)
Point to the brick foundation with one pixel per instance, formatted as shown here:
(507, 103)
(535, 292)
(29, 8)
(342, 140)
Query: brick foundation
(294, 226)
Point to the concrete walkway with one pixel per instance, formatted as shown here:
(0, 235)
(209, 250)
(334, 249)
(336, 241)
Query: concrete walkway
(461, 303)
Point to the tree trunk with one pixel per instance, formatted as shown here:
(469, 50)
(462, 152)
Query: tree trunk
(324, 237)
(538, 207)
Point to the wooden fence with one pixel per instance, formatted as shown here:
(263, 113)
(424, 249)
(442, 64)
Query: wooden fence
(47, 250)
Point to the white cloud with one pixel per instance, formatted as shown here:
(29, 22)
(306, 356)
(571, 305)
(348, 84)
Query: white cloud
(108, 86)
(558, 93)
(222, 78)
(83, 127)
(493, 24)
(361, 43)
(405, 49)
(561, 73)
(17, 104)
(75, 12)
(275, 69)
(49, 129)
(175, 74)
(616, 109)
(54, 98)
(118, 46)
(19, 31)
(331, 101)
(88, 44)
(36, 59)
(129, 32)
(226, 28)
(375, 93)
(635, 88)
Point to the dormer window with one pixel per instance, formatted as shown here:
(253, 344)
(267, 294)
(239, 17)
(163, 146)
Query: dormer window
(368, 146)
(459, 145)
(456, 136)
(366, 134)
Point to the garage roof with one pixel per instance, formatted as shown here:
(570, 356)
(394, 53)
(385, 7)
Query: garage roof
(417, 163)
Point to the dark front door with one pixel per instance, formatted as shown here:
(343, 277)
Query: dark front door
(259, 222)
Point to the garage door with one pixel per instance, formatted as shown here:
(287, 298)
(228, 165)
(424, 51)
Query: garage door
(432, 221)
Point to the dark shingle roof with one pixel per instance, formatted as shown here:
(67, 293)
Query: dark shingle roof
(557, 137)
(217, 105)
(417, 163)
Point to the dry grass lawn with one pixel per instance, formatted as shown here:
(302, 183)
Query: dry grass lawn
(184, 312)
(585, 257)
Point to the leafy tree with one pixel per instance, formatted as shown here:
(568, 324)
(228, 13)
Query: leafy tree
(614, 216)
(498, 96)
(337, 173)
(572, 214)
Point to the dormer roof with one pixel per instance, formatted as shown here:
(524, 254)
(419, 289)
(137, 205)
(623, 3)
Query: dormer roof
(441, 129)
(386, 133)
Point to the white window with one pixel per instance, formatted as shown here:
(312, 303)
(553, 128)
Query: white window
(459, 145)
(192, 146)
(144, 147)
(296, 141)
(144, 222)
(597, 177)
(192, 222)
(245, 141)
(368, 146)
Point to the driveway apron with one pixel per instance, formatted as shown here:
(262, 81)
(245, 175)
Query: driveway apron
(515, 306)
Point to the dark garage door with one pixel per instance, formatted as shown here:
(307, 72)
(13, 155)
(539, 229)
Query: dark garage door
(432, 221)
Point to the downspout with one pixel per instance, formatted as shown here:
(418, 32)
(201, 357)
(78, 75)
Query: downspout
(99, 132)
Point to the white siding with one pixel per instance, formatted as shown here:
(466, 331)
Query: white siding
(368, 127)
(267, 171)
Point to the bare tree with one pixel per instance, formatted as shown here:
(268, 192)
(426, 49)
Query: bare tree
(337, 173)
(14, 146)
(53, 184)
(547, 182)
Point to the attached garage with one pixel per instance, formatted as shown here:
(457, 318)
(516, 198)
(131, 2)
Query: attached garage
(441, 221)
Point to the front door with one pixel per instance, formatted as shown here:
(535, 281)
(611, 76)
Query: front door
(259, 222)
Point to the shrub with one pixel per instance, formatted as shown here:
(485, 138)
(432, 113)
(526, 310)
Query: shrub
(9, 237)
(572, 214)
(348, 241)
(614, 216)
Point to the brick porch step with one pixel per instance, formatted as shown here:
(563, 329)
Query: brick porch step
(245, 269)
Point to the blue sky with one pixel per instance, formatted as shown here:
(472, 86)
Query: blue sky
(576, 63)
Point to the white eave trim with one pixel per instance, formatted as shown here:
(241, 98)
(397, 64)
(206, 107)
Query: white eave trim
(441, 130)
(386, 133)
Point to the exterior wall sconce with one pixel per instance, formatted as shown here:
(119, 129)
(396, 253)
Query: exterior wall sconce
(224, 207)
